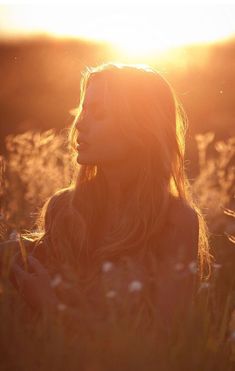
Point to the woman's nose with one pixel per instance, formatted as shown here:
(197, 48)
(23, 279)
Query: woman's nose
(82, 123)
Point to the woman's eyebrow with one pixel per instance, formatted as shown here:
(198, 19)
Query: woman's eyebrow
(92, 104)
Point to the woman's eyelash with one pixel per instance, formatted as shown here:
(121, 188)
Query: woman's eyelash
(95, 112)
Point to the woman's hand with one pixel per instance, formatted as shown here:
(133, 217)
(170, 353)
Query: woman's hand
(35, 286)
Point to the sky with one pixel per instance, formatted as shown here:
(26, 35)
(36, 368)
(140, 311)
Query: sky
(136, 26)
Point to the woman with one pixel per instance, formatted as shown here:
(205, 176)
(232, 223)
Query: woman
(131, 196)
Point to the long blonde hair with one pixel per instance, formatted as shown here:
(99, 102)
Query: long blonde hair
(147, 109)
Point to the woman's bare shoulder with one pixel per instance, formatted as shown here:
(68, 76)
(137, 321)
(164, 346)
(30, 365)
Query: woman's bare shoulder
(56, 204)
(59, 197)
(181, 213)
(182, 232)
(63, 192)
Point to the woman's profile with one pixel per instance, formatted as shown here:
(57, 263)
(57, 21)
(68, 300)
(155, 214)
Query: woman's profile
(131, 196)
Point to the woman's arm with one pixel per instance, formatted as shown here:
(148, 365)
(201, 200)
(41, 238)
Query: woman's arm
(8, 249)
(34, 285)
(35, 288)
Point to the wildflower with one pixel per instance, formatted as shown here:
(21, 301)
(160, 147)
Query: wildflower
(135, 286)
(217, 266)
(193, 266)
(179, 266)
(107, 266)
(232, 336)
(56, 281)
(61, 307)
(23, 252)
(204, 285)
(14, 235)
(111, 294)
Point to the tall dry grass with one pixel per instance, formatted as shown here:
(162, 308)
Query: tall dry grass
(214, 187)
(118, 328)
(37, 164)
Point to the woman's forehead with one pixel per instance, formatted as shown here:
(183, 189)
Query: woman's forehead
(96, 93)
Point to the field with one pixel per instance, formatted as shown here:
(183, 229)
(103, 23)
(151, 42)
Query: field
(204, 340)
(40, 81)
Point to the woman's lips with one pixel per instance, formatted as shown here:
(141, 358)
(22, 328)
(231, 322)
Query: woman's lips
(82, 146)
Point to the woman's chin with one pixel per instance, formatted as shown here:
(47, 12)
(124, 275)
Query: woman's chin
(83, 159)
(80, 160)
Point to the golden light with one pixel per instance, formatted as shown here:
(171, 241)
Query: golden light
(133, 29)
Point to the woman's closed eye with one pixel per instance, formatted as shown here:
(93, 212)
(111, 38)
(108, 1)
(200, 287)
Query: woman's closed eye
(96, 113)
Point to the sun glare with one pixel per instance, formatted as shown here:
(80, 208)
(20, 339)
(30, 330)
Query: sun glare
(141, 30)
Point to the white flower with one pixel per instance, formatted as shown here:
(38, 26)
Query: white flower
(179, 266)
(135, 286)
(217, 266)
(61, 307)
(56, 280)
(204, 285)
(14, 235)
(232, 336)
(107, 266)
(111, 294)
(193, 267)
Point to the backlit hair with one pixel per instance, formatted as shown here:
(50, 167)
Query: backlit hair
(148, 111)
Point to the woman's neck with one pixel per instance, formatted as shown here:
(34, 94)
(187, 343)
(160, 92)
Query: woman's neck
(120, 181)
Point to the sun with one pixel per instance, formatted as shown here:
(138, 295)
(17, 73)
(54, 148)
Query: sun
(139, 46)
(136, 31)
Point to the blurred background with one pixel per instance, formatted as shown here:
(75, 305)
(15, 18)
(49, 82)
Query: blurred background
(43, 49)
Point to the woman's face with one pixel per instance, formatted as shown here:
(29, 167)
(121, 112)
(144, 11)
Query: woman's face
(98, 128)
